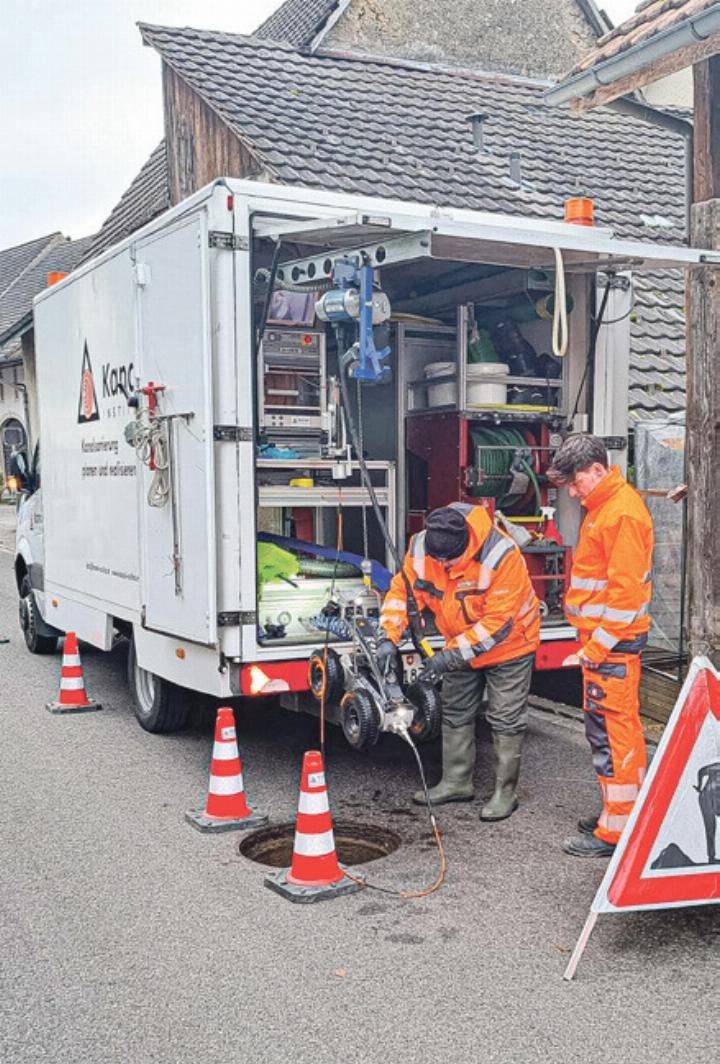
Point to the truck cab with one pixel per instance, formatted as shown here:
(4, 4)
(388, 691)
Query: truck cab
(40, 637)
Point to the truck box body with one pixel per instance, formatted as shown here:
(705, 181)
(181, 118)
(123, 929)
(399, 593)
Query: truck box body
(173, 307)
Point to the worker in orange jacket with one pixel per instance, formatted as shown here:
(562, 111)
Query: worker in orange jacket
(608, 603)
(474, 580)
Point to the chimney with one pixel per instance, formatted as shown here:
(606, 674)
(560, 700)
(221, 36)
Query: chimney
(478, 119)
(516, 167)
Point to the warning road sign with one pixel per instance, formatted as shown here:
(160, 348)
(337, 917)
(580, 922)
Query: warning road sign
(669, 854)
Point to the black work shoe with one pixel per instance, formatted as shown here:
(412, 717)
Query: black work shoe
(587, 825)
(588, 846)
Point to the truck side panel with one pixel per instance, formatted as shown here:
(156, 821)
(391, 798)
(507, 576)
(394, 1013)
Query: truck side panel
(85, 340)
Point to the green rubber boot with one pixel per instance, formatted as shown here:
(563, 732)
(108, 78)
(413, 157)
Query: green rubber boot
(507, 770)
(458, 750)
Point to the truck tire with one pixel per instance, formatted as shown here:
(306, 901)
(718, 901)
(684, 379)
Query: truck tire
(160, 706)
(30, 621)
(359, 719)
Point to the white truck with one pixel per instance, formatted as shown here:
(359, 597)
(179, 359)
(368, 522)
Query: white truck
(191, 423)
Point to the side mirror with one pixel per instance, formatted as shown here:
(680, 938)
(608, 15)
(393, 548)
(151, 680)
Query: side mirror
(20, 472)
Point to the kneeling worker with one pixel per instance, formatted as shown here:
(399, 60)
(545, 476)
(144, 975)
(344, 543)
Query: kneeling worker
(473, 578)
(608, 603)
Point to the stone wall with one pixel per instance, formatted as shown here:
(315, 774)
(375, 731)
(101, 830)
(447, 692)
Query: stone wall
(542, 38)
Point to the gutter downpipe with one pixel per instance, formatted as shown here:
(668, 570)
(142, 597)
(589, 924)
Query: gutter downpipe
(692, 31)
(683, 127)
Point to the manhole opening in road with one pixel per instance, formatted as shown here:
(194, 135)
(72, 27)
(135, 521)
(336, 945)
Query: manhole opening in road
(356, 844)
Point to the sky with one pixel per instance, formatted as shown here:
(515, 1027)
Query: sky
(81, 102)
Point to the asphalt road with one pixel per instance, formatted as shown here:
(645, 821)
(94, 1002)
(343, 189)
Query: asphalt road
(126, 936)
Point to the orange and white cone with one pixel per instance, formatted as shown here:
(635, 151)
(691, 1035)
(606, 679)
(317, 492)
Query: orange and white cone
(73, 697)
(315, 872)
(226, 808)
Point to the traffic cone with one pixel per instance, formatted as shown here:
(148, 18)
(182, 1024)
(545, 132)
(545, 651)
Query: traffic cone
(315, 873)
(226, 808)
(73, 698)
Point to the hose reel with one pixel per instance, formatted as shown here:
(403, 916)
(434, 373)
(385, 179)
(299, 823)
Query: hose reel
(506, 466)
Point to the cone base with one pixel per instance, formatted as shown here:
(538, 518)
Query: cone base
(60, 707)
(200, 820)
(278, 881)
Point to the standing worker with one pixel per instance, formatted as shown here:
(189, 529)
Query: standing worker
(608, 603)
(473, 578)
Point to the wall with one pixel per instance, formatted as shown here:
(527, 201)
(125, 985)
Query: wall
(673, 91)
(11, 398)
(200, 145)
(544, 38)
(12, 404)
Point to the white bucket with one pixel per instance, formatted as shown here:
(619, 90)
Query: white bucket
(444, 394)
(484, 392)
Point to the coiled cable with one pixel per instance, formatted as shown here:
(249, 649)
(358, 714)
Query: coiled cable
(151, 446)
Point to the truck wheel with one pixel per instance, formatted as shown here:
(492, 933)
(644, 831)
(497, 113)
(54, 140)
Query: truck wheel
(326, 672)
(30, 620)
(359, 719)
(160, 706)
(427, 720)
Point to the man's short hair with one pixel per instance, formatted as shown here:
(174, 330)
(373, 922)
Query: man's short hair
(576, 454)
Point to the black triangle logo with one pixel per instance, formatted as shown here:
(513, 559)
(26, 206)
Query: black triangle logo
(88, 404)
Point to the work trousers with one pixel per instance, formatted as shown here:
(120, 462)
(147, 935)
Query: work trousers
(612, 725)
(507, 685)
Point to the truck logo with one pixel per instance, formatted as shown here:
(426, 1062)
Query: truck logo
(88, 404)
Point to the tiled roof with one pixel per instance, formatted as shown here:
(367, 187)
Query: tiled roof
(650, 18)
(657, 336)
(14, 261)
(297, 22)
(146, 197)
(390, 128)
(60, 254)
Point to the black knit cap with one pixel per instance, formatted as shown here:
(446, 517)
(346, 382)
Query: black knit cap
(446, 534)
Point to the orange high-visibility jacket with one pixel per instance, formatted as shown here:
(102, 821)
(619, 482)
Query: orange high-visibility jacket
(484, 606)
(611, 580)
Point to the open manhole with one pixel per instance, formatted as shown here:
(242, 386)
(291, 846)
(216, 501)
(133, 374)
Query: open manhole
(356, 844)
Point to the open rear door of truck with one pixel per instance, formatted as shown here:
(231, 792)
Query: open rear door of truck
(178, 549)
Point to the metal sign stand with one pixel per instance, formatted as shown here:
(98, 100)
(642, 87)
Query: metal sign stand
(580, 946)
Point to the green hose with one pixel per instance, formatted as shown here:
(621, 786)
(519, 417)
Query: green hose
(495, 451)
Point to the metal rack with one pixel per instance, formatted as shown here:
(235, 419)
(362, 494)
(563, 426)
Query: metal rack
(324, 496)
(419, 338)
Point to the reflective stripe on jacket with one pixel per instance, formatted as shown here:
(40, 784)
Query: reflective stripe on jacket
(484, 606)
(611, 580)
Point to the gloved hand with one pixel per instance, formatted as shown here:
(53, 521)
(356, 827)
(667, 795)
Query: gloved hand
(385, 655)
(434, 668)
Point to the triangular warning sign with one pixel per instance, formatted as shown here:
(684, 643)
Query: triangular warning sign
(87, 405)
(669, 853)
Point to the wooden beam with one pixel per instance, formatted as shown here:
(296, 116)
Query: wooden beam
(706, 76)
(703, 440)
(670, 64)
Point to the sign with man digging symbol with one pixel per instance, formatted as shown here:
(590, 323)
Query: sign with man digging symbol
(667, 857)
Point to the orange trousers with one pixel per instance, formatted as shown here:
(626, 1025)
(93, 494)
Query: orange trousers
(612, 725)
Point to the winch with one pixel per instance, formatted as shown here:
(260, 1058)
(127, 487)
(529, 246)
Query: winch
(355, 299)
